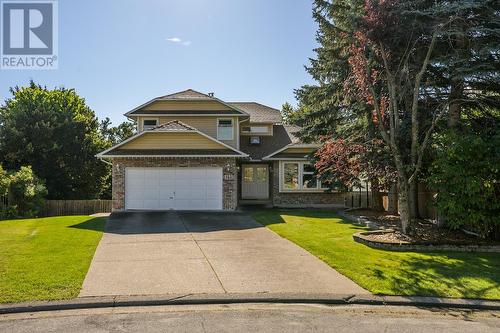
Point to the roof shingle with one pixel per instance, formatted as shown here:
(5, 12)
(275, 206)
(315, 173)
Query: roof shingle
(173, 126)
(187, 94)
(259, 113)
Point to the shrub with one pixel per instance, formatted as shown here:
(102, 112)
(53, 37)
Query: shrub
(26, 193)
(466, 172)
(4, 182)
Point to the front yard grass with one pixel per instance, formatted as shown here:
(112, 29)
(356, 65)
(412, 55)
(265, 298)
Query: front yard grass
(445, 274)
(46, 258)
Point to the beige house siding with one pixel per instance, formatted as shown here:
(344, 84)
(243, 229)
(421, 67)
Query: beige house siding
(186, 105)
(299, 150)
(171, 141)
(207, 125)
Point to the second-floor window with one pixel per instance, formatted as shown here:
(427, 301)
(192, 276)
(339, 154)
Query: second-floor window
(225, 129)
(148, 124)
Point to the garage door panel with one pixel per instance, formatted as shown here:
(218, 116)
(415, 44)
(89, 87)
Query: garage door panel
(182, 194)
(173, 188)
(166, 192)
(166, 203)
(149, 194)
(151, 204)
(214, 204)
(182, 204)
(198, 195)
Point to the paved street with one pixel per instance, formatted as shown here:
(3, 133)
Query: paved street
(147, 253)
(254, 318)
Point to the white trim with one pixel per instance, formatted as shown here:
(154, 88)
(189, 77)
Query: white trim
(232, 129)
(148, 118)
(291, 145)
(237, 134)
(300, 179)
(101, 154)
(277, 151)
(170, 156)
(267, 133)
(187, 115)
(286, 159)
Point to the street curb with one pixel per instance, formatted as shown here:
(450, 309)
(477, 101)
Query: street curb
(206, 299)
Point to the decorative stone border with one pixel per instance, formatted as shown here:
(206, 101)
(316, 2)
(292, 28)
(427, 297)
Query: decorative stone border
(362, 237)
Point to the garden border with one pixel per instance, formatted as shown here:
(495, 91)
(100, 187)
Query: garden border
(361, 237)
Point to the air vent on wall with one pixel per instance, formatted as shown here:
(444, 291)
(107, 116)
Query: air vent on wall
(255, 140)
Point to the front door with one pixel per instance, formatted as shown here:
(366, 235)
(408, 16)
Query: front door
(255, 181)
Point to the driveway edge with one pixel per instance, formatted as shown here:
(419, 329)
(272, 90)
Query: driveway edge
(200, 299)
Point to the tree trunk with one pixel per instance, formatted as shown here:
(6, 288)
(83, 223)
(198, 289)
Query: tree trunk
(392, 200)
(377, 202)
(413, 198)
(455, 103)
(404, 205)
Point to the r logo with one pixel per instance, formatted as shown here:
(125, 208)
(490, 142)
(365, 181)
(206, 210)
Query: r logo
(27, 28)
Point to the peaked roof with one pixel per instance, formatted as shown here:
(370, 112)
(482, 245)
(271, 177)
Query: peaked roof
(188, 94)
(173, 126)
(259, 113)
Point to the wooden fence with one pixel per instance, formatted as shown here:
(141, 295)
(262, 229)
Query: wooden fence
(76, 207)
(358, 199)
(363, 199)
(4, 200)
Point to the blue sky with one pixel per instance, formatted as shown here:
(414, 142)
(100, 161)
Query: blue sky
(118, 54)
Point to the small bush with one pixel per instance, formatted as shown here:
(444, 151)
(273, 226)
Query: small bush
(26, 193)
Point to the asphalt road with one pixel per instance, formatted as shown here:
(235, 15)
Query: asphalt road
(254, 318)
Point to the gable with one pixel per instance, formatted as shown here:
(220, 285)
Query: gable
(152, 140)
(162, 105)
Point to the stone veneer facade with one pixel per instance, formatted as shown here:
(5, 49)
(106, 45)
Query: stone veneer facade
(286, 199)
(229, 176)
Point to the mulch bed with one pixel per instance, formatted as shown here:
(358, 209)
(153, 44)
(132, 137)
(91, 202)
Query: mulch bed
(422, 231)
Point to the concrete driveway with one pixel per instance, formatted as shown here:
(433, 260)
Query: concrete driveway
(146, 253)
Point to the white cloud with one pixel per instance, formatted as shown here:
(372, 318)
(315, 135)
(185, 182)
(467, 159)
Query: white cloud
(174, 40)
(178, 40)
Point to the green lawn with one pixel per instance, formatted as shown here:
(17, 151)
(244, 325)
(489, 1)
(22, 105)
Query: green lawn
(447, 274)
(46, 258)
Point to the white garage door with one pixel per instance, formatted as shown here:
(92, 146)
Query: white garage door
(173, 188)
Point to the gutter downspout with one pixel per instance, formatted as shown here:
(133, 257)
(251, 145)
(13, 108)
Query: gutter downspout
(104, 161)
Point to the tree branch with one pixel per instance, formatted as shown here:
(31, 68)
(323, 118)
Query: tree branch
(424, 144)
(416, 94)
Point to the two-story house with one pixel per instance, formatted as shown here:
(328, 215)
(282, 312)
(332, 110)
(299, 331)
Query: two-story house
(193, 151)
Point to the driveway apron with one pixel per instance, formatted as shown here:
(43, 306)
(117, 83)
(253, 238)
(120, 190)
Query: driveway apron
(148, 253)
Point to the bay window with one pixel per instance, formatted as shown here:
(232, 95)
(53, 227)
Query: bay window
(298, 176)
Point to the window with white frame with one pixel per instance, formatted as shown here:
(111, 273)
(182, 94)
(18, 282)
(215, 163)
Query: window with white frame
(148, 124)
(255, 129)
(225, 129)
(299, 176)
